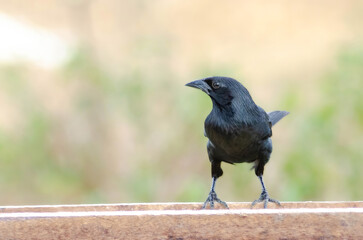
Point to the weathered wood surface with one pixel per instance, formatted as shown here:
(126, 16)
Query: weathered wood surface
(295, 220)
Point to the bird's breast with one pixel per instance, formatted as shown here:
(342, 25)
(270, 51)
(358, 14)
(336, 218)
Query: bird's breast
(238, 146)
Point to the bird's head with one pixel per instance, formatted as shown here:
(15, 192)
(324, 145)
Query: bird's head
(222, 90)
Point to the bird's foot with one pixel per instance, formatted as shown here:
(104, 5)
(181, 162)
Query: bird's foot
(264, 197)
(212, 197)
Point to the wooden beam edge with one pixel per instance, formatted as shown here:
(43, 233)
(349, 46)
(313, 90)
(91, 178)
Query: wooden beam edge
(182, 212)
(171, 206)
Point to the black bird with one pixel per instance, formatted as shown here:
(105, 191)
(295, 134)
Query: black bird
(237, 130)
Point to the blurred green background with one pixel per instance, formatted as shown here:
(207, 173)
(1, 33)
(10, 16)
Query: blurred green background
(93, 107)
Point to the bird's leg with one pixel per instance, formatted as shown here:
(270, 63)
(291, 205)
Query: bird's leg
(264, 197)
(212, 197)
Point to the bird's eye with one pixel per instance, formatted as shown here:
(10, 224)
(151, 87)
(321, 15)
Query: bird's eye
(215, 85)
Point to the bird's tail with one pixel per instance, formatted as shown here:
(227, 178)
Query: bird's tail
(276, 116)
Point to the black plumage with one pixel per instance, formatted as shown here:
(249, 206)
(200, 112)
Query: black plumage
(237, 130)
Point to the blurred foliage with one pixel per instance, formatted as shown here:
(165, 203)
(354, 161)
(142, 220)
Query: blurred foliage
(134, 136)
(66, 158)
(326, 155)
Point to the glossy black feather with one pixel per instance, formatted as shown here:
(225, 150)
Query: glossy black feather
(237, 130)
(276, 116)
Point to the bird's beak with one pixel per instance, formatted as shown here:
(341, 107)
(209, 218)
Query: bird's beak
(200, 84)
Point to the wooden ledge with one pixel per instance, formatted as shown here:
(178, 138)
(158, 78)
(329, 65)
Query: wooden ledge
(295, 220)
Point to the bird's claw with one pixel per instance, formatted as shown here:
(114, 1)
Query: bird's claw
(265, 199)
(212, 197)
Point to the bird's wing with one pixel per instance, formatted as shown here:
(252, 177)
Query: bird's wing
(276, 116)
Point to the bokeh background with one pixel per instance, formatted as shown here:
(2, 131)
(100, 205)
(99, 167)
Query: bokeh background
(93, 107)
